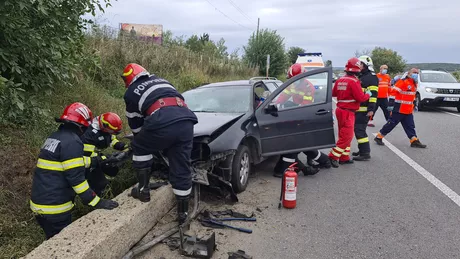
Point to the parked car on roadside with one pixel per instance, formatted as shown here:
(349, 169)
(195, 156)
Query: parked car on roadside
(240, 125)
(437, 89)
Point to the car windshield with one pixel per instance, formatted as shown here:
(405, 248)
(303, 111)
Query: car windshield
(437, 78)
(226, 99)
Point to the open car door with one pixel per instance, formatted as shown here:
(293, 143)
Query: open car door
(297, 116)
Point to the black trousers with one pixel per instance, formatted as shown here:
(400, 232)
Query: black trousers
(361, 121)
(383, 104)
(97, 179)
(53, 224)
(176, 142)
(284, 162)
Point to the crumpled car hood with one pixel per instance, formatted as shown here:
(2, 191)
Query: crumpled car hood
(210, 122)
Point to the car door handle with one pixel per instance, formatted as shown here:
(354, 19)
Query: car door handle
(321, 112)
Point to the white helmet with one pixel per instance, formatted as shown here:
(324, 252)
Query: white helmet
(367, 61)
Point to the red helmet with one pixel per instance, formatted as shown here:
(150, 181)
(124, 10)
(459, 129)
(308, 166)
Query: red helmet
(110, 122)
(132, 72)
(294, 70)
(77, 113)
(353, 65)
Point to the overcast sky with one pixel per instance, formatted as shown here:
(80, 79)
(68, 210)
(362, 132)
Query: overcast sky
(420, 30)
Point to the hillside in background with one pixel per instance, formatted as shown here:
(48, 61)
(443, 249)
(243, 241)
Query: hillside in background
(450, 67)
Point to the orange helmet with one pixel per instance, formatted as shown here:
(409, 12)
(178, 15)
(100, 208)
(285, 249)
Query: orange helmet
(294, 70)
(132, 72)
(353, 65)
(110, 122)
(77, 113)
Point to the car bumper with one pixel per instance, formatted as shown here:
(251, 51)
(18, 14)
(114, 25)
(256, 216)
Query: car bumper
(442, 101)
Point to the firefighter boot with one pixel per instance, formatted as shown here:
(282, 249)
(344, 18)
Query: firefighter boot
(355, 153)
(362, 157)
(142, 191)
(323, 160)
(182, 208)
(306, 169)
(334, 163)
(417, 143)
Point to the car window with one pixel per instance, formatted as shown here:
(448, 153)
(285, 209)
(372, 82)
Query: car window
(226, 99)
(271, 86)
(303, 92)
(437, 78)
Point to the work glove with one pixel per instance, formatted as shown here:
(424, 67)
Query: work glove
(369, 92)
(390, 108)
(120, 146)
(106, 204)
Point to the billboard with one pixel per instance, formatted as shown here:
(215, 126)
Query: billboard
(147, 32)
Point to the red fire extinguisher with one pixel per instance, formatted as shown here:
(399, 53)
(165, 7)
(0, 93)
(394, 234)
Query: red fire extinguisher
(289, 188)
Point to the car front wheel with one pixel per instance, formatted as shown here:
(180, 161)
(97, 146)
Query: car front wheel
(458, 108)
(418, 102)
(241, 168)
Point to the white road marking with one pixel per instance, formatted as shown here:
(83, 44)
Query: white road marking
(431, 178)
(448, 113)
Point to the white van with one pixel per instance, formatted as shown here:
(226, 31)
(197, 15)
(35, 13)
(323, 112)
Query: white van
(311, 61)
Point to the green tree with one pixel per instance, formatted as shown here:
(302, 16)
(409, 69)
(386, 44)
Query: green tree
(42, 45)
(221, 48)
(269, 42)
(328, 63)
(194, 44)
(292, 54)
(389, 57)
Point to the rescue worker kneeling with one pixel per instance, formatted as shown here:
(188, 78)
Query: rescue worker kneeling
(301, 93)
(402, 108)
(160, 121)
(60, 173)
(100, 135)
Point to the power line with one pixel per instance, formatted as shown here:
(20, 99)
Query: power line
(239, 10)
(228, 16)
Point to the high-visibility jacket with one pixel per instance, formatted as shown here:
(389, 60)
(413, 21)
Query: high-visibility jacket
(94, 139)
(369, 81)
(60, 174)
(384, 84)
(404, 92)
(348, 91)
(302, 93)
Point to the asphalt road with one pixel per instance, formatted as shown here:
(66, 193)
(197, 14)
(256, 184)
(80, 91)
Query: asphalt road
(403, 203)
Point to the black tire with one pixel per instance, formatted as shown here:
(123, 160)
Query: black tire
(418, 101)
(240, 175)
(458, 108)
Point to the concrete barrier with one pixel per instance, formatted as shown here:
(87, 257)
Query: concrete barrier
(108, 233)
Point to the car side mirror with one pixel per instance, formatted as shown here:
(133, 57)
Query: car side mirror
(271, 109)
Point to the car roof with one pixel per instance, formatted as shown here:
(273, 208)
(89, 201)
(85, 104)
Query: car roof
(237, 83)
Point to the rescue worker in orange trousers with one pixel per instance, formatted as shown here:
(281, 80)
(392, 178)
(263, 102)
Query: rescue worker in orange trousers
(369, 82)
(402, 106)
(382, 95)
(349, 95)
(60, 173)
(300, 93)
(100, 135)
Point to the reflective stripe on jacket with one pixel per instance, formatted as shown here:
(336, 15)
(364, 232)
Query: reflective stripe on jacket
(404, 92)
(60, 174)
(384, 84)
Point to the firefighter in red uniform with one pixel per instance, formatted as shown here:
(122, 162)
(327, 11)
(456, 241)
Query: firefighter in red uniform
(402, 107)
(301, 93)
(349, 95)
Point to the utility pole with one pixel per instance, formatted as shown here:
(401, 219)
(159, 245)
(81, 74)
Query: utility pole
(257, 42)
